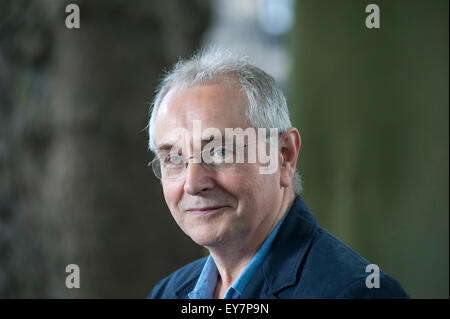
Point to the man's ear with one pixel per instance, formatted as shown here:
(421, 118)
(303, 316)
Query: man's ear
(290, 144)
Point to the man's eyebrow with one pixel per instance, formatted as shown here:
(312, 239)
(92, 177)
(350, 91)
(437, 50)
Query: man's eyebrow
(164, 147)
(168, 146)
(212, 137)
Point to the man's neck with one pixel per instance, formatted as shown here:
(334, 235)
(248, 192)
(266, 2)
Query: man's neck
(232, 258)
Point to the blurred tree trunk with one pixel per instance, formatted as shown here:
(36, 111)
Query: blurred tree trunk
(75, 187)
(372, 107)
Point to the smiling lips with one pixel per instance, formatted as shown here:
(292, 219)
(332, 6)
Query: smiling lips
(204, 210)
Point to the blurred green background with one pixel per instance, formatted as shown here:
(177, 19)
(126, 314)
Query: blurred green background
(371, 106)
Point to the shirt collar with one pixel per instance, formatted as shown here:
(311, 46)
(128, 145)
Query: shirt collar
(207, 281)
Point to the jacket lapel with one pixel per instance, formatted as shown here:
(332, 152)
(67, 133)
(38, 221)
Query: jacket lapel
(281, 266)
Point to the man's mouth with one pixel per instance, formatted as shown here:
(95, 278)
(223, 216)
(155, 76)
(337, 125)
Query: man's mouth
(204, 210)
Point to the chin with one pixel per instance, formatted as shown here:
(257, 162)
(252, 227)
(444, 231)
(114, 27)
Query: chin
(206, 240)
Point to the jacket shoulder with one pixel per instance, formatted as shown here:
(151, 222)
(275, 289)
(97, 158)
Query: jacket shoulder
(387, 288)
(180, 281)
(334, 270)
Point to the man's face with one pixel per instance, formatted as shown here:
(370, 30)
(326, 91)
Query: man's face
(241, 201)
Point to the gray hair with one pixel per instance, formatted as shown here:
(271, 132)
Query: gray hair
(266, 108)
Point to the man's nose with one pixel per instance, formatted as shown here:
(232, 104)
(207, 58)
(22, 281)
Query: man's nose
(197, 179)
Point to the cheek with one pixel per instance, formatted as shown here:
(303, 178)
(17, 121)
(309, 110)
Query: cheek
(245, 182)
(259, 188)
(270, 181)
(172, 194)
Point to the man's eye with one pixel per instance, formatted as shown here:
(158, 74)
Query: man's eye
(223, 152)
(173, 160)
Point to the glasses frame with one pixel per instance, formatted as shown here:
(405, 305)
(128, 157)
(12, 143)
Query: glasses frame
(203, 163)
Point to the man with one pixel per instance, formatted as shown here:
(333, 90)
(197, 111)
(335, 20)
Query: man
(262, 239)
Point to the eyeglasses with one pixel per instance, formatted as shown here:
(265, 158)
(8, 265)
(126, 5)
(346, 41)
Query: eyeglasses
(172, 166)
